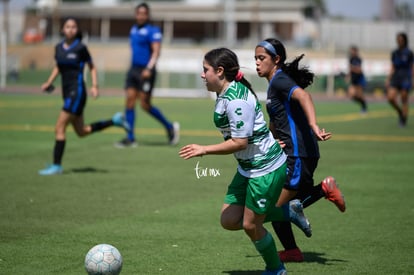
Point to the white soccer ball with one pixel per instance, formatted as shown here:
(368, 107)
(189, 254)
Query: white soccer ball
(103, 259)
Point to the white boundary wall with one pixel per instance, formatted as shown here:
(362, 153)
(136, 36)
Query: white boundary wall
(368, 35)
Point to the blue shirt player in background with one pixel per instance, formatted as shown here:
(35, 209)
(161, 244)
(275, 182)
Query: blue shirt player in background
(72, 56)
(145, 42)
(357, 80)
(400, 78)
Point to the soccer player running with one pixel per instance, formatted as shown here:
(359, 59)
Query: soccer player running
(145, 43)
(399, 80)
(357, 78)
(261, 172)
(71, 56)
(293, 122)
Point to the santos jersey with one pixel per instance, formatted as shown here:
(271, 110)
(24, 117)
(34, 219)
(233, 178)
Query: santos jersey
(71, 63)
(141, 38)
(289, 119)
(238, 114)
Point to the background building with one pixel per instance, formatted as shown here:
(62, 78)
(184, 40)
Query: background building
(192, 26)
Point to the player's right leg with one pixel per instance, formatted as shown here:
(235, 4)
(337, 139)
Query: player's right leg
(262, 194)
(130, 101)
(60, 141)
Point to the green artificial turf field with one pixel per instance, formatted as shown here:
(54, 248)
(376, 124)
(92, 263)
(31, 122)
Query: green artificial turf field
(151, 205)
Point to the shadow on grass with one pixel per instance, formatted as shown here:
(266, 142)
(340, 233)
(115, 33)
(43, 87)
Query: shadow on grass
(153, 143)
(88, 170)
(315, 257)
(310, 257)
(244, 272)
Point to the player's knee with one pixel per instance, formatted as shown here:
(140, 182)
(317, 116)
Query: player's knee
(249, 227)
(145, 106)
(130, 103)
(60, 133)
(230, 223)
(82, 132)
(390, 98)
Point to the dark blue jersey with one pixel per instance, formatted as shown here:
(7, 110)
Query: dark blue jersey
(141, 38)
(356, 78)
(289, 119)
(355, 61)
(71, 63)
(402, 59)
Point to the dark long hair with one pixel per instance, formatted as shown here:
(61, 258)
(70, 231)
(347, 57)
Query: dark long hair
(404, 36)
(79, 34)
(301, 75)
(224, 57)
(143, 5)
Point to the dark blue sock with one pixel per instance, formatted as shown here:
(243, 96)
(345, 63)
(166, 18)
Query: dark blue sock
(286, 212)
(130, 118)
(160, 117)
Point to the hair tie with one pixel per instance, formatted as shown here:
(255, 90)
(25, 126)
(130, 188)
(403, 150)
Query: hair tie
(239, 76)
(268, 46)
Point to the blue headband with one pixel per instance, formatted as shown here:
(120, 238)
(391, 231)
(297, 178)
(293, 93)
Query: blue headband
(268, 46)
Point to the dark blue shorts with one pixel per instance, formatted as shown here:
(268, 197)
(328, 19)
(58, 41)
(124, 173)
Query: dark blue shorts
(359, 80)
(401, 81)
(134, 80)
(74, 100)
(300, 173)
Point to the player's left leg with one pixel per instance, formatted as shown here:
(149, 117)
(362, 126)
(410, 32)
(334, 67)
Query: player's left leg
(404, 107)
(263, 241)
(360, 98)
(83, 130)
(392, 94)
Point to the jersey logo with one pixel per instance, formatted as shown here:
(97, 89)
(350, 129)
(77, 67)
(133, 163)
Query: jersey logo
(143, 31)
(238, 111)
(261, 203)
(239, 124)
(157, 36)
(71, 56)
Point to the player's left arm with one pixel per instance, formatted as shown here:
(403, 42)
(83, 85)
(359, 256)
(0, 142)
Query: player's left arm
(306, 102)
(87, 58)
(94, 78)
(412, 65)
(155, 54)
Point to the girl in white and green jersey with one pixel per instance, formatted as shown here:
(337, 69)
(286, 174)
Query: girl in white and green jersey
(261, 172)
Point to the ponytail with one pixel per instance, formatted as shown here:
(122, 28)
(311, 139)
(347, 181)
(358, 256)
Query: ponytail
(301, 75)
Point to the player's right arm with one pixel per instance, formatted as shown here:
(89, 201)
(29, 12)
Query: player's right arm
(229, 146)
(52, 77)
(392, 70)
